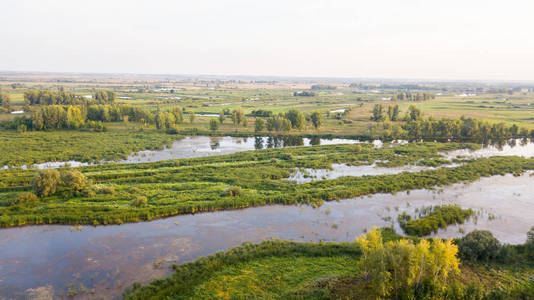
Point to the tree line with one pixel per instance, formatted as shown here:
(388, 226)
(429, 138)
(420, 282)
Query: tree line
(415, 126)
(408, 96)
(44, 97)
(51, 117)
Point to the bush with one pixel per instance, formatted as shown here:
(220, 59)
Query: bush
(479, 245)
(88, 192)
(139, 201)
(24, 198)
(108, 190)
(45, 182)
(234, 191)
(530, 241)
(135, 191)
(74, 180)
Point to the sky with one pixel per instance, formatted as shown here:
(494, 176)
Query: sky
(404, 39)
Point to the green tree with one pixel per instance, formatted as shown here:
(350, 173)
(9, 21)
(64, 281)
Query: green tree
(214, 124)
(297, 119)
(259, 124)
(415, 113)
(238, 116)
(378, 113)
(191, 116)
(73, 180)
(5, 101)
(221, 116)
(479, 245)
(530, 240)
(316, 119)
(37, 119)
(178, 115)
(45, 182)
(395, 114)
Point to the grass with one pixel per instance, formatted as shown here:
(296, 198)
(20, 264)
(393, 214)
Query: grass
(202, 184)
(36, 147)
(273, 277)
(287, 270)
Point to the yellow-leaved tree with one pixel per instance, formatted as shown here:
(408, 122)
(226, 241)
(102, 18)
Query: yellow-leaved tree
(399, 268)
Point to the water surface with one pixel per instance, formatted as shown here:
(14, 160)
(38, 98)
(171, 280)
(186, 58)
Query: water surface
(48, 260)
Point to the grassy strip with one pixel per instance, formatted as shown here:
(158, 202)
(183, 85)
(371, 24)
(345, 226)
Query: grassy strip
(433, 218)
(199, 185)
(28, 148)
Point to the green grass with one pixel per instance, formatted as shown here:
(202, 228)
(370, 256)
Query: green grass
(196, 185)
(273, 277)
(287, 270)
(27, 148)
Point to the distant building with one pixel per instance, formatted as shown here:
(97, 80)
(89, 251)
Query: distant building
(17, 112)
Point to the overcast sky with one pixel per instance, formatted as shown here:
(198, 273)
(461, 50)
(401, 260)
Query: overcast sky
(426, 39)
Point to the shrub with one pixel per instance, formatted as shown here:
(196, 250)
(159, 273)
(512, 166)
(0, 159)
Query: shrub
(24, 198)
(45, 182)
(479, 245)
(134, 190)
(139, 201)
(108, 190)
(88, 192)
(530, 241)
(74, 180)
(234, 191)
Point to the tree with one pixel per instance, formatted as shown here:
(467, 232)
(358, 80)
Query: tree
(238, 116)
(415, 113)
(73, 180)
(296, 118)
(37, 119)
(45, 182)
(179, 115)
(234, 118)
(5, 101)
(160, 121)
(479, 245)
(221, 116)
(530, 240)
(214, 124)
(259, 124)
(399, 268)
(395, 114)
(286, 125)
(316, 119)
(378, 113)
(191, 116)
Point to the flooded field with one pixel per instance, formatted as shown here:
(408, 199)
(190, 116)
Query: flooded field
(198, 146)
(516, 147)
(96, 262)
(304, 175)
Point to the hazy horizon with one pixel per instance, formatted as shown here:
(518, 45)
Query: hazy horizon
(479, 40)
